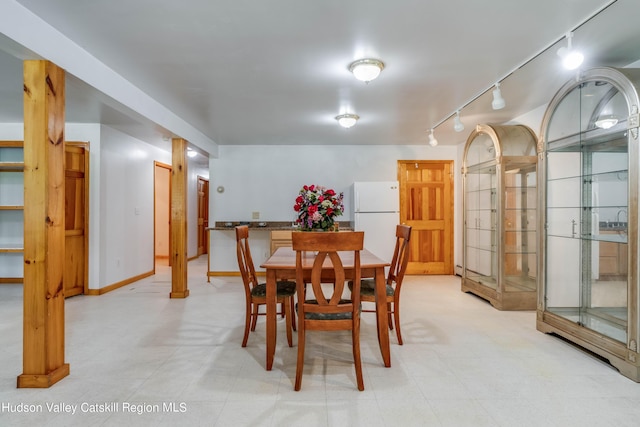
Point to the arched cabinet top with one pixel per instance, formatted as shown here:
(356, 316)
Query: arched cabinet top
(489, 144)
(604, 101)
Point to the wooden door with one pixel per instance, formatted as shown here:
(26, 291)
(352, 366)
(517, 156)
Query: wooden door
(203, 214)
(426, 204)
(76, 167)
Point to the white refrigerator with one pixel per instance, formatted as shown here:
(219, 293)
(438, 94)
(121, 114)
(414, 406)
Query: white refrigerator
(376, 211)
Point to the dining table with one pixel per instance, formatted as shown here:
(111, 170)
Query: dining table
(281, 265)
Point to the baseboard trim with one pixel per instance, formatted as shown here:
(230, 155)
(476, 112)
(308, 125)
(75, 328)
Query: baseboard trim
(120, 284)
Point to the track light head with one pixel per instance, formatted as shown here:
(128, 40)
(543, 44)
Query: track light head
(571, 58)
(498, 101)
(432, 139)
(457, 123)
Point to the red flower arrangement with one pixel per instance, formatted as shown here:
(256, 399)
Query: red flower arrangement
(317, 207)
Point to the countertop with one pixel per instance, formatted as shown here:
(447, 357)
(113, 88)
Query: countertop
(268, 225)
(613, 226)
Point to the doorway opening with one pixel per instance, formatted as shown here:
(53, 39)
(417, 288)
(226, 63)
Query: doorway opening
(203, 215)
(162, 214)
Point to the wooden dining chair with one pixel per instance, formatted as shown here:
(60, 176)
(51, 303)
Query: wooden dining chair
(256, 293)
(395, 277)
(326, 310)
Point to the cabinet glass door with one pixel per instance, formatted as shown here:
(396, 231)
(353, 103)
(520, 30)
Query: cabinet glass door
(481, 228)
(587, 210)
(520, 221)
(481, 264)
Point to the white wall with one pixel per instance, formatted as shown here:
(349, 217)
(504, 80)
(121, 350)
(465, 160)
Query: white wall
(126, 206)
(267, 179)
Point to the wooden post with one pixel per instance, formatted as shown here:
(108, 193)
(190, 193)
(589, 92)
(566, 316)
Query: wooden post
(43, 342)
(179, 219)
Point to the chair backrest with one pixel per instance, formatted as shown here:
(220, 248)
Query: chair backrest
(326, 245)
(245, 262)
(401, 254)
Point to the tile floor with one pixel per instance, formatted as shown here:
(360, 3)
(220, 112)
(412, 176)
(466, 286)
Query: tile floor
(179, 362)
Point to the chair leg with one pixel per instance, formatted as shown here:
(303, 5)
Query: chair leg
(288, 315)
(293, 313)
(247, 324)
(355, 338)
(254, 317)
(389, 311)
(396, 316)
(300, 362)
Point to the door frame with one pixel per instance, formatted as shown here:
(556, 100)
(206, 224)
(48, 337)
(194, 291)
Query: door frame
(84, 145)
(205, 225)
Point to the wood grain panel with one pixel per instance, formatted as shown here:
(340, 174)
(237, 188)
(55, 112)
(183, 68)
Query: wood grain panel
(179, 219)
(44, 247)
(76, 219)
(426, 203)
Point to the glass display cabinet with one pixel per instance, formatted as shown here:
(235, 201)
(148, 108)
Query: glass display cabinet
(588, 182)
(499, 205)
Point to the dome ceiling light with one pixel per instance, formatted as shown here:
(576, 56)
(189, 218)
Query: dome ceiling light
(366, 69)
(606, 122)
(347, 120)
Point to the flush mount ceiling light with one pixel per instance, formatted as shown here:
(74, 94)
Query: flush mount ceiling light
(191, 152)
(605, 122)
(366, 69)
(498, 101)
(432, 139)
(457, 124)
(571, 59)
(347, 120)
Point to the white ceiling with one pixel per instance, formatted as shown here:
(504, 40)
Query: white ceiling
(276, 72)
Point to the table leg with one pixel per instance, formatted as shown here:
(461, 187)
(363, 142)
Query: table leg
(271, 317)
(208, 256)
(382, 317)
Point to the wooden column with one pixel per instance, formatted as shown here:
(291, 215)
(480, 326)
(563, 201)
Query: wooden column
(179, 219)
(43, 342)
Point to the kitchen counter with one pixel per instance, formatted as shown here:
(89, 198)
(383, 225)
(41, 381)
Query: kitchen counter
(279, 235)
(269, 225)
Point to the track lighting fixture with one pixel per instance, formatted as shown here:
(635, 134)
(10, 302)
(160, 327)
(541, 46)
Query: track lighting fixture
(498, 101)
(457, 124)
(571, 59)
(432, 139)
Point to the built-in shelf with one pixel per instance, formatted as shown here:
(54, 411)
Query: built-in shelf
(11, 211)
